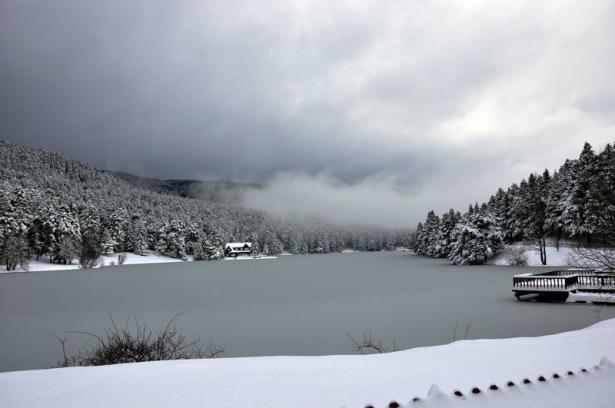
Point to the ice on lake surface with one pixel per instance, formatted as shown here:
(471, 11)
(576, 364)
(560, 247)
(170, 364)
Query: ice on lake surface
(292, 305)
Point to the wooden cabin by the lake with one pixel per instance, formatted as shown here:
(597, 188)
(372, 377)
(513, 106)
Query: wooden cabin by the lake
(235, 249)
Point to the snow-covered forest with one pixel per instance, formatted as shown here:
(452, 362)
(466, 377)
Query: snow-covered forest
(54, 206)
(576, 202)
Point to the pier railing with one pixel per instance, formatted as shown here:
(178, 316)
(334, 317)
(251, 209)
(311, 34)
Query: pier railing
(566, 281)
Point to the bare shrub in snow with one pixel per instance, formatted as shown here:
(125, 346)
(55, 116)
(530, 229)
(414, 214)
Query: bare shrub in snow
(121, 258)
(516, 255)
(592, 257)
(367, 345)
(137, 344)
(467, 331)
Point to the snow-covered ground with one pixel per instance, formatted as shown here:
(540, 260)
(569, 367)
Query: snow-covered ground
(591, 297)
(248, 257)
(110, 260)
(554, 257)
(346, 381)
(106, 260)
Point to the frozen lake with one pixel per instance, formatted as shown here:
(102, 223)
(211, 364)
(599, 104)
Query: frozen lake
(292, 305)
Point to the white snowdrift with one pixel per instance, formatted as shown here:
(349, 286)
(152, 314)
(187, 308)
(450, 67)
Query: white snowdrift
(554, 257)
(345, 381)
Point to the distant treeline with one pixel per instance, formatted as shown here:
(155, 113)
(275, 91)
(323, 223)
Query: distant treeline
(576, 202)
(52, 205)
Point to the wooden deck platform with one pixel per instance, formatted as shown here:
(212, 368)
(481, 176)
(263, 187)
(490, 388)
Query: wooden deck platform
(556, 285)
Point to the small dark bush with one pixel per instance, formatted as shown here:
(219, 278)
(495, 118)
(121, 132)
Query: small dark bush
(91, 249)
(570, 373)
(458, 393)
(393, 404)
(493, 387)
(416, 399)
(510, 384)
(583, 370)
(121, 258)
(526, 381)
(556, 375)
(475, 390)
(542, 379)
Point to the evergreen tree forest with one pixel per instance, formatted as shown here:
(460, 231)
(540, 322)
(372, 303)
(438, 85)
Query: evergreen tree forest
(576, 203)
(55, 207)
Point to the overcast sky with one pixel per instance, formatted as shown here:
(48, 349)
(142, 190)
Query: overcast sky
(389, 107)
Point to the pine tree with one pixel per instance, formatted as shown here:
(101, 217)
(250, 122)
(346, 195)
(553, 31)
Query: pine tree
(585, 173)
(418, 238)
(427, 244)
(91, 238)
(136, 236)
(477, 238)
(14, 252)
(66, 235)
(107, 242)
(274, 247)
(533, 210)
(443, 245)
(171, 241)
(599, 208)
(39, 238)
(558, 215)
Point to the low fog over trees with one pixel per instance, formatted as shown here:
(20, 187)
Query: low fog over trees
(54, 206)
(576, 202)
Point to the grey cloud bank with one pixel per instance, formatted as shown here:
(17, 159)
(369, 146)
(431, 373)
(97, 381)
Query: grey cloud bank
(351, 100)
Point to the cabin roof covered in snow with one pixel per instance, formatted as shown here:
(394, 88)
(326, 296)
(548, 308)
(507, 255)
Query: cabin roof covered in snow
(238, 244)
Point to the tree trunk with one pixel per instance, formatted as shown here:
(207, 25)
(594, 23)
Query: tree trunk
(543, 251)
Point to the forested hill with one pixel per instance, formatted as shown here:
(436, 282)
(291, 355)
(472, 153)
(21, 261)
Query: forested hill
(52, 205)
(220, 191)
(576, 202)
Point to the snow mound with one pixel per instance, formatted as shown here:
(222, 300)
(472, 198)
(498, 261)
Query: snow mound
(559, 370)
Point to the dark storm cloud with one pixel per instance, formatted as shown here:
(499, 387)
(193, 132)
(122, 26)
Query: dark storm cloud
(378, 95)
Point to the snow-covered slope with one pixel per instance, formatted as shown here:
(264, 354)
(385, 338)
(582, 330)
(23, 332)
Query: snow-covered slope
(554, 257)
(346, 381)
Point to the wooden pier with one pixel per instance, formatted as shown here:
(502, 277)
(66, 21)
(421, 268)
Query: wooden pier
(557, 285)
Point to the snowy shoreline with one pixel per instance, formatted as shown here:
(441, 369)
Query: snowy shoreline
(134, 259)
(111, 260)
(555, 258)
(106, 261)
(346, 380)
